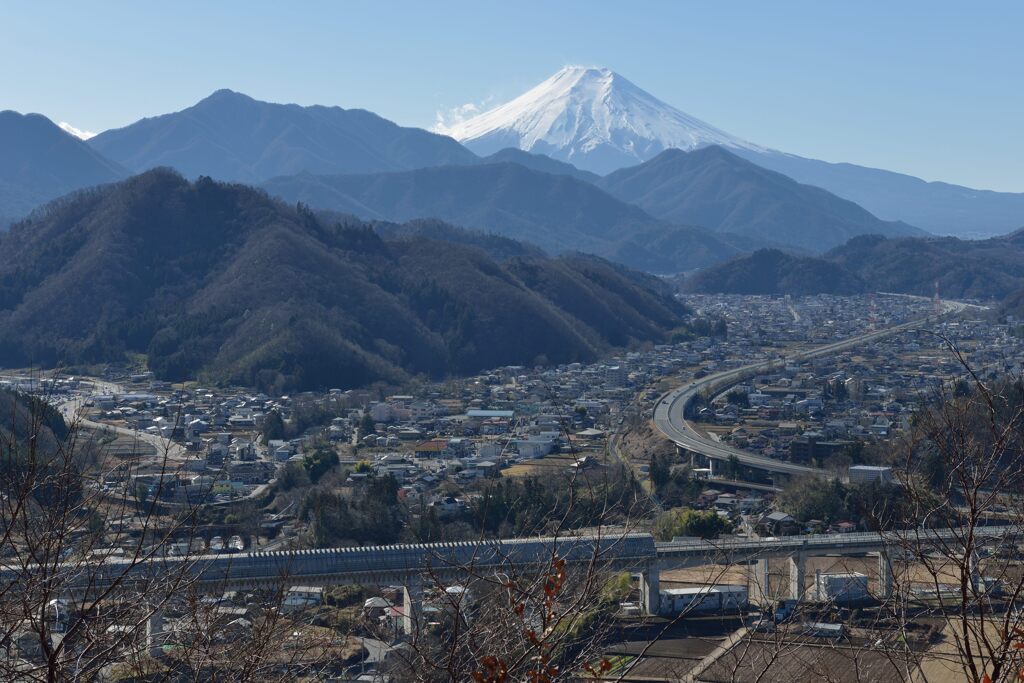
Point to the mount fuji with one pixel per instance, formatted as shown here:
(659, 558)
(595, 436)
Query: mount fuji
(599, 121)
(592, 118)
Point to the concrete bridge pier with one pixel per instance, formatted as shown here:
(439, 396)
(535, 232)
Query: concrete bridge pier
(683, 453)
(759, 577)
(797, 572)
(764, 592)
(885, 580)
(412, 605)
(650, 589)
(976, 579)
(155, 633)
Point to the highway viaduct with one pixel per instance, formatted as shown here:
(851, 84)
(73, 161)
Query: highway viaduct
(413, 565)
(670, 411)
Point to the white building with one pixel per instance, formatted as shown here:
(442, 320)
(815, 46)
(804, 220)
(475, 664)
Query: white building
(862, 474)
(300, 597)
(703, 600)
(841, 587)
(535, 447)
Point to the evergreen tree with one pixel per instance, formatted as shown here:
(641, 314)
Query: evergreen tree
(660, 471)
(367, 425)
(273, 426)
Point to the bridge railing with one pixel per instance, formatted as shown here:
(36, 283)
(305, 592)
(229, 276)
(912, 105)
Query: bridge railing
(867, 538)
(385, 561)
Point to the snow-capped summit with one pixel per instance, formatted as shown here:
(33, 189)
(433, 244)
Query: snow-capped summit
(593, 118)
(77, 132)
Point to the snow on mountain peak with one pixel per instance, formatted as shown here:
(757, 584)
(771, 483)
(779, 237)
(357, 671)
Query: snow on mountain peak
(77, 132)
(591, 117)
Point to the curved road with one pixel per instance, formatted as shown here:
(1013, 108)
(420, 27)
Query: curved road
(72, 410)
(669, 415)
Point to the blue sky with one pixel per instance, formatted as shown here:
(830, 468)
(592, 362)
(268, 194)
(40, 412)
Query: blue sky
(930, 88)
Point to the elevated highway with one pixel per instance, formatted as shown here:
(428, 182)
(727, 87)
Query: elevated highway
(670, 411)
(796, 550)
(400, 564)
(379, 565)
(409, 566)
(413, 565)
(736, 549)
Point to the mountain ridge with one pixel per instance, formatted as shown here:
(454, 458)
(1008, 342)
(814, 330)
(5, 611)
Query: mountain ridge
(219, 281)
(231, 136)
(773, 272)
(559, 213)
(989, 270)
(612, 124)
(539, 162)
(940, 207)
(41, 162)
(713, 187)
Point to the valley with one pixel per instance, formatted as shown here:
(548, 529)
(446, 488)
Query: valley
(407, 343)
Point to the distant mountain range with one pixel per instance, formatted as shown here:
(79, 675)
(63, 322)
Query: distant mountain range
(744, 204)
(399, 174)
(539, 162)
(557, 212)
(687, 200)
(362, 275)
(940, 208)
(230, 136)
(989, 270)
(221, 282)
(714, 188)
(601, 122)
(40, 162)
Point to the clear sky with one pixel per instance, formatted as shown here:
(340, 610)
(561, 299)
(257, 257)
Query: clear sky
(931, 88)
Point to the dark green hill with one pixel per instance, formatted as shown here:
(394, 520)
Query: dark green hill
(497, 247)
(989, 270)
(222, 282)
(716, 189)
(770, 271)
(978, 269)
(670, 250)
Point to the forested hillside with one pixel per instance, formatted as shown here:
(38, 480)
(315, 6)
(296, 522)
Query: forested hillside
(219, 281)
(988, 270)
